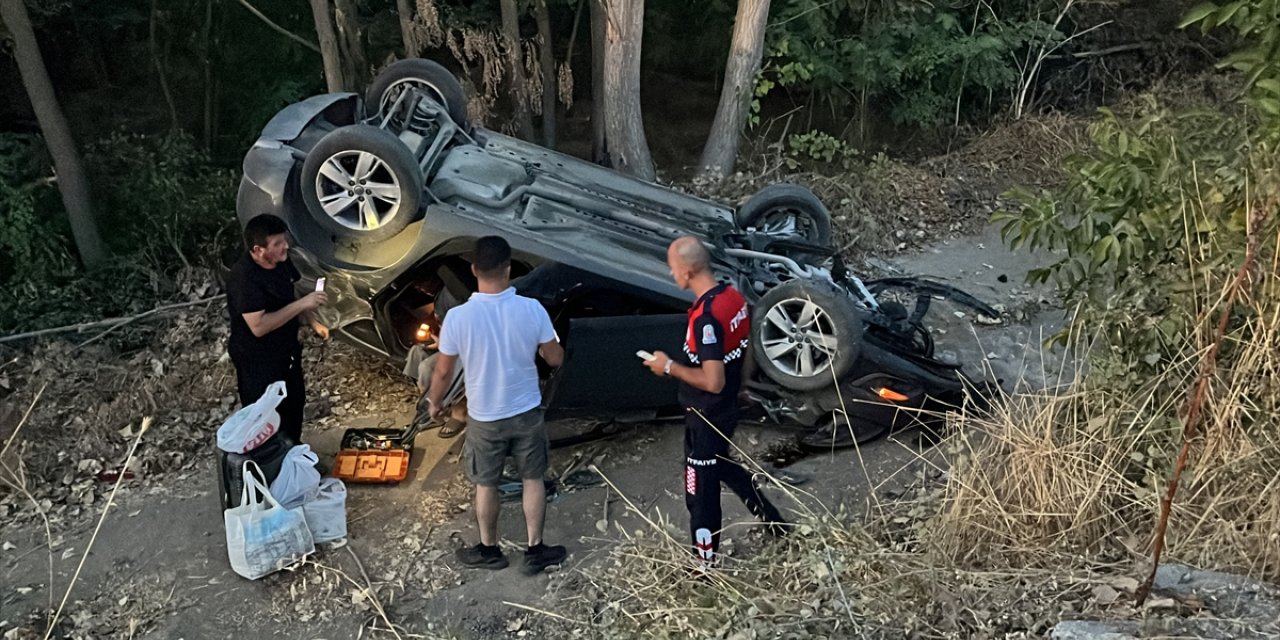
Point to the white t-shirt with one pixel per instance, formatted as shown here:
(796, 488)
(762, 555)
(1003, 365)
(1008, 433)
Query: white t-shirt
(496, 338)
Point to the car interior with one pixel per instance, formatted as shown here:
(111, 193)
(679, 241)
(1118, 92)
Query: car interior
(600, 323)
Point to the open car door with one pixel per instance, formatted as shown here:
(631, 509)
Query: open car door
(601, 369)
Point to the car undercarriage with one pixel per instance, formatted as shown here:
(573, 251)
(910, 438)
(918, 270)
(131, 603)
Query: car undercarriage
(386, 193)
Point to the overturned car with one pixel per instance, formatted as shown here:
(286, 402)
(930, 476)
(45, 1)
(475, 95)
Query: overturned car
(385, 194)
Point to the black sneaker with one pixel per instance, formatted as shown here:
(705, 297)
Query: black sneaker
(483, 556)
(540, 556)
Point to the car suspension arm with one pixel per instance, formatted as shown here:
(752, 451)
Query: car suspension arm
(930, 287)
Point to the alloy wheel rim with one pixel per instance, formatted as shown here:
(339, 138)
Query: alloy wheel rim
(799, 338)
(358, 190)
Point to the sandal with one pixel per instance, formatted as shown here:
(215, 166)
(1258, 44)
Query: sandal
(452, 428)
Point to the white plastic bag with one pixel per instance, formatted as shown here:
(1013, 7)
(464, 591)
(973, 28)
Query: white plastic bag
(327, 513)
(298, 481)
(252, 425)
(264, 537)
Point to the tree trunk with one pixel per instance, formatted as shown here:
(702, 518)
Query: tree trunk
(721, 149)
(205, 56)
(329, 51)
(599, 138)
(547, 61)
(404, 10)
(160, 74)
(72, 183)
(628, 148)
(573, 36)
(351, 43)
(515, 65)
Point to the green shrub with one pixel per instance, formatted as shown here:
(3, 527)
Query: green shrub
(33, 244)
(1153, 220)
(165, 202)
(921, 61)
(822, 147)
(162, 207)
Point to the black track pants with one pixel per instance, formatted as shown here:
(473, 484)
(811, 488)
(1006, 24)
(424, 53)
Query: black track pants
(253, 376)
(707, 464)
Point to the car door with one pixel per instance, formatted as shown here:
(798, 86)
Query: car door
(601, 371)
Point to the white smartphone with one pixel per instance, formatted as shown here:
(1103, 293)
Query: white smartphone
(320, 283)
(645, 355)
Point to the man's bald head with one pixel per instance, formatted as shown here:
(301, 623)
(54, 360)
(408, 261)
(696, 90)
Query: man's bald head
(689, 261)
(689, 252)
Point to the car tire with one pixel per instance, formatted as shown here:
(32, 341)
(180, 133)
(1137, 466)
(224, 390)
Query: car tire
(386, 164)
(789, 211)
(811, 356)
(423, 73)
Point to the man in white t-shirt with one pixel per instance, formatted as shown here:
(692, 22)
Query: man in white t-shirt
(497, 335)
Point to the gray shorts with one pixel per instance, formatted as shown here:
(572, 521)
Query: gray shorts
(487, 445)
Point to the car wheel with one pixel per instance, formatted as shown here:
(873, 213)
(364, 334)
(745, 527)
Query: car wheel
(787, 212)
(805, 334)
(360, 182)
(837, 431)
(421, 74)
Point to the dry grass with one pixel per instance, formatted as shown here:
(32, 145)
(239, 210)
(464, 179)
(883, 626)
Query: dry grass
(1230, 509)
(1044, 498)
(831, 578)
(1080, 473)
(1030, 152)
(1052, 475)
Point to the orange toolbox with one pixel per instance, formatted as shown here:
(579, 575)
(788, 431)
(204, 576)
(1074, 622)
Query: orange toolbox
(374, 455)
(382, 455)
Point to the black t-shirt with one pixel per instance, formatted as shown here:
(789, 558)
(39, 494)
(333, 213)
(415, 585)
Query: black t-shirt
(719, 326)
(251, 288)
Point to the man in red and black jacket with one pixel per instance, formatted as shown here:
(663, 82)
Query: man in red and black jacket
(715, 346)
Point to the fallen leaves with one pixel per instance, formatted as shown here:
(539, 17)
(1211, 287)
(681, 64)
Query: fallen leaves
(1105, 595)
(174, 368)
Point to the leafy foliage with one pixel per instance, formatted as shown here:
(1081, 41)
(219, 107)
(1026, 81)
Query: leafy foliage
(31, 245)
(1258, 23)
(167, 201)
(821, 147)
(1153, 219)
(121, 287)
(164, 209)
(922, 59)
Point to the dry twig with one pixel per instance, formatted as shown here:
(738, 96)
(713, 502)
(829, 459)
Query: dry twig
(146, 424)
(1239, 287)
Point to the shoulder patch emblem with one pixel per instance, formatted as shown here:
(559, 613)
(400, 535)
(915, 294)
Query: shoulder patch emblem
(708, 335)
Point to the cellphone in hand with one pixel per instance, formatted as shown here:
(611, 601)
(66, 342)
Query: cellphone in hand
(320, 283)
(645, 355)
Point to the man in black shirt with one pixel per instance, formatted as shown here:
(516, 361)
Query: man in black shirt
(265, 314)
(715, 344)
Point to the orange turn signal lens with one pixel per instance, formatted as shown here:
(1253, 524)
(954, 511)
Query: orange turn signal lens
(890, 394)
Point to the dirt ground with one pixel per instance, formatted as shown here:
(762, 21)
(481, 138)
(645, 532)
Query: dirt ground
(158, 566)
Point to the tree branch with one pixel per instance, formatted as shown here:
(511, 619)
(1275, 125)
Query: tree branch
(1096, 53)
(289, 34)
(110, 322)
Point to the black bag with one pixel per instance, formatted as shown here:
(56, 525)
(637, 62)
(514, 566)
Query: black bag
(269, 457)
